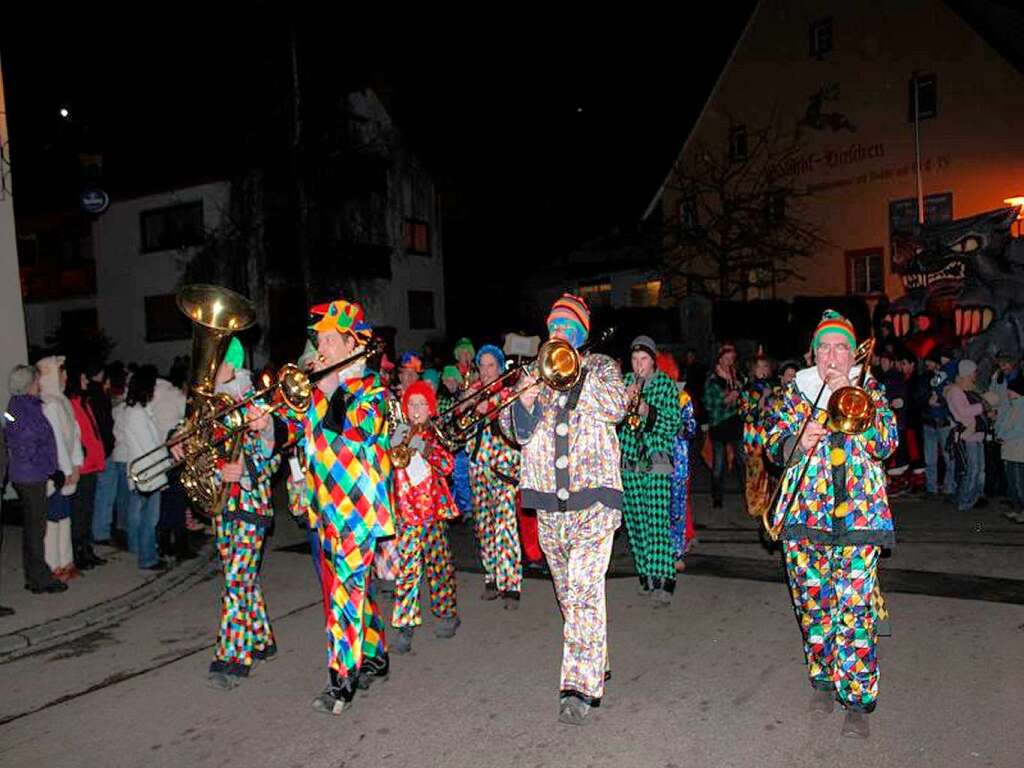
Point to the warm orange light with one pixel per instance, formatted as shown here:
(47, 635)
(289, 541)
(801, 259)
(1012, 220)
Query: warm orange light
(1016, 202)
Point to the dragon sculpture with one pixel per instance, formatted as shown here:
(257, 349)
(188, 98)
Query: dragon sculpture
(964, 282)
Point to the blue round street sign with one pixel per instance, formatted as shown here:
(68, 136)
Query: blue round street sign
(94, 201)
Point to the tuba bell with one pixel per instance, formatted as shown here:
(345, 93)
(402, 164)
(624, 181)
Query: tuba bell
(213, 428)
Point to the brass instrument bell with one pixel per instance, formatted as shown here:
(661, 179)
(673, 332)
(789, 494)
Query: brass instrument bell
(851, 409)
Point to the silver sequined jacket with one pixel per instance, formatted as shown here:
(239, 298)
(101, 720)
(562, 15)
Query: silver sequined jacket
(571, 455)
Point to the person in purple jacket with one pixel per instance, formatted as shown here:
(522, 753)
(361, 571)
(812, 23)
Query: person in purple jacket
(32, 452)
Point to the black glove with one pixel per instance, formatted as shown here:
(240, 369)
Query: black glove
(58, 479)
(334, 419)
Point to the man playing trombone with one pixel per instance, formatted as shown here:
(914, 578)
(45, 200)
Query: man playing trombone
(833, 516)
(345, 439)
(571, 476)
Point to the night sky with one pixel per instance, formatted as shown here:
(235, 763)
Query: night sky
(541, 134)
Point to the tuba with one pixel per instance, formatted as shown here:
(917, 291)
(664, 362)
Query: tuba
(213, 428)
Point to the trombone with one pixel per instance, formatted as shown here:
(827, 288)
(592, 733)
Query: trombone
(558, 365)
(850, 410)
(290, 386)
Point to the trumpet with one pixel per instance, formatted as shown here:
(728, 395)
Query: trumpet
(634, 421)
(849, 410)
(557, 365)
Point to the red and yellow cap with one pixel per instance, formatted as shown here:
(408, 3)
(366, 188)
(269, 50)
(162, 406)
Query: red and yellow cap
(344, 317)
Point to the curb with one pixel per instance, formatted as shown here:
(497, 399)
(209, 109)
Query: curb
(64, 629)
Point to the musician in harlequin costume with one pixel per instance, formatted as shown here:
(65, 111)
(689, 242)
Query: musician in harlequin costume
(423, 507)
(755, 400)
(680, 512)
(345, 439)
(245, 635)
(834, 525)
(450, 391)
(572, 477)
(494, 481)
(465, 354)
(647, 469)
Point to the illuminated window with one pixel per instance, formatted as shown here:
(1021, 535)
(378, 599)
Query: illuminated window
(645, 294)
(417, 237)
(597, 294)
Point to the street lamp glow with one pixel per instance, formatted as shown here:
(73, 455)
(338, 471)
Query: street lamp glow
(64, 112)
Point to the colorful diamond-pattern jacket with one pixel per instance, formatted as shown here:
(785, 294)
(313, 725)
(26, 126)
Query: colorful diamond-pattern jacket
(492, 445)
(349, 469)
(431, 499)
(249, 499)
(755, 419)
(655, 439)
(841, 499)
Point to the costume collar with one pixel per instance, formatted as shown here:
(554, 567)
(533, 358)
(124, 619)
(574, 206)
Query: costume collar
(808, 382)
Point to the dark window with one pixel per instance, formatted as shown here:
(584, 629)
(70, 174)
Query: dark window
(421, 310)
(738, 143)
(865, 272)
(821, 38)
(80, 320)
(164, 321)
(417, 237)
(775, 208)
(927, 89)
(688, 214)
(177, 226)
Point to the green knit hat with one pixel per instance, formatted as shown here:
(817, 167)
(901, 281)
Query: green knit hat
(451, 372)
(235, 356)
(465, 343)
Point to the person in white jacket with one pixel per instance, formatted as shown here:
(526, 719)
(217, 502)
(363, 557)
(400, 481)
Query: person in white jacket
(136, 431)
(58, 411)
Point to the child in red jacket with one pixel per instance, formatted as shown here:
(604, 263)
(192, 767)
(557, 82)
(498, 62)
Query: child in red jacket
(423, 505)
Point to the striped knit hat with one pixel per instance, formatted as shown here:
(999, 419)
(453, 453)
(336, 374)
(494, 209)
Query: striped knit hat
(833, 322)
(570, 313)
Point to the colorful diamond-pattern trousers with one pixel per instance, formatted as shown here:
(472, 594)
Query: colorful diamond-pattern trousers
(245, 631)
(494, 503)
(645, 499)
(578, 546)
(355, 629)
(832, 590)
(419, 546)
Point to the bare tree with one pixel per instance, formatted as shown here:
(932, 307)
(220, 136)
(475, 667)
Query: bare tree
(741, 223)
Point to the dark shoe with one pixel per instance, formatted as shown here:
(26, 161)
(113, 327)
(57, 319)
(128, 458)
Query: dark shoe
(403, 641)
(5, 611)
(573, 711)
(446, 627)
(716, 503)
(510, 600)
(981, 503)
(221, 682)
(661, 598)
(856, 726)
(52, 588)
(94, 558)
(490, 591)
(645, 586)
(376, 668)
(336, 697)
(82, 562)
(822, 701)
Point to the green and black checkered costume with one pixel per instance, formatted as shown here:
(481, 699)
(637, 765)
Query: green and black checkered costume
(647, 481)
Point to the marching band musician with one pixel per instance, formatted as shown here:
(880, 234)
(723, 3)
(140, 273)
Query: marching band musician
(647, 471)
(423, 507)
(754, 404)
(571, 476)
(345, 440)
(494, 479)
(834, 524)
